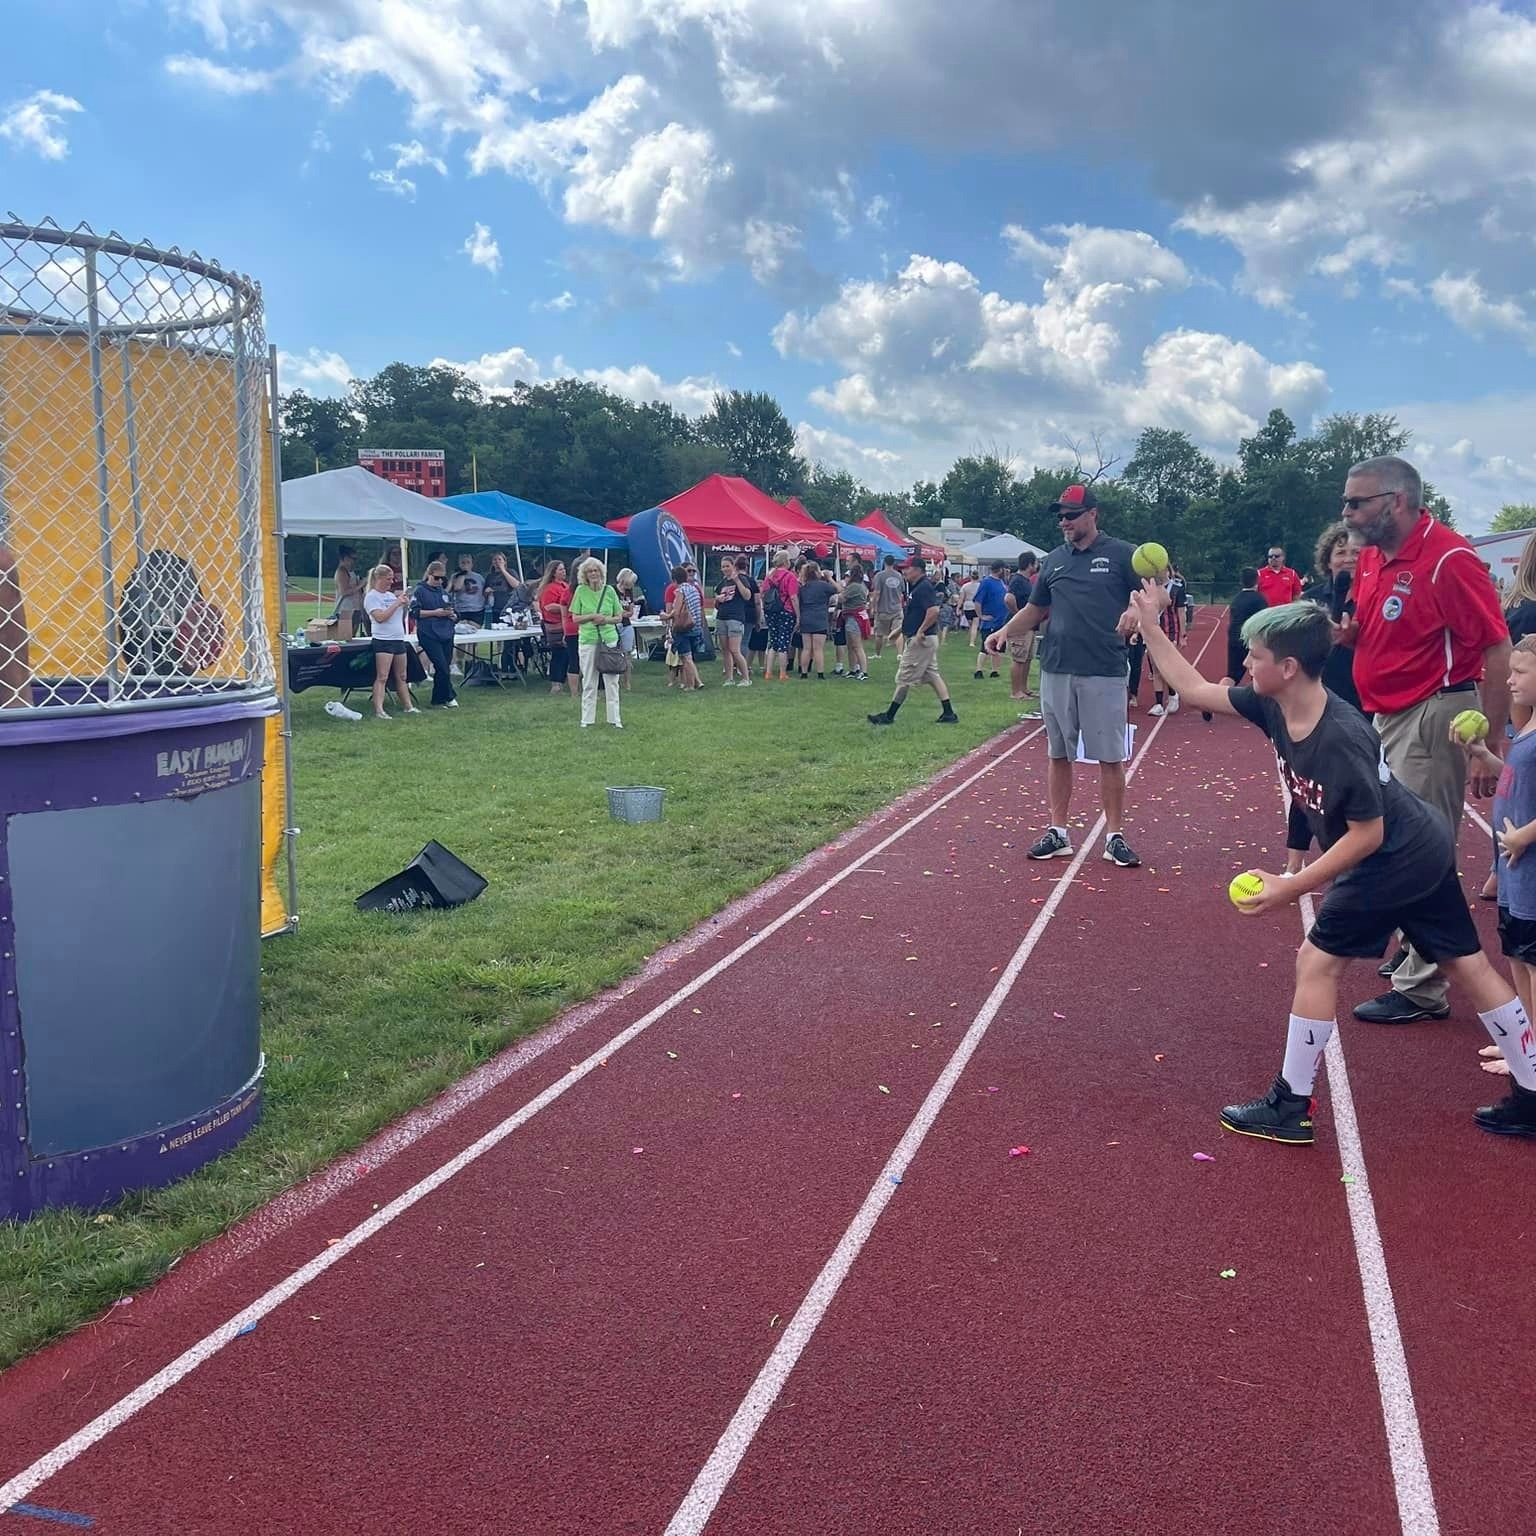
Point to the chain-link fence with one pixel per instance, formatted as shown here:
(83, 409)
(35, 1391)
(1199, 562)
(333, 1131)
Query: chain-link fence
(133, 403)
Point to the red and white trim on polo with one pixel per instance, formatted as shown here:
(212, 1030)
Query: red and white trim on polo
(1425, 618)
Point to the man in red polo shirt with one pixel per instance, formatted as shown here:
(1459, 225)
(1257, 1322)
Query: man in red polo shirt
(1278, 583)
(1427, 630)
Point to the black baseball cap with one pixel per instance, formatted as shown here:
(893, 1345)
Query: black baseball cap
(1076, 498)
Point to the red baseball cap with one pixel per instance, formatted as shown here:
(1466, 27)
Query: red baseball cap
(1079, 498)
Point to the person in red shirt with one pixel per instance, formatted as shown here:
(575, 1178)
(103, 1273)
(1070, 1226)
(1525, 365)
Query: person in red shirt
(1278, 583)
(1427, 630)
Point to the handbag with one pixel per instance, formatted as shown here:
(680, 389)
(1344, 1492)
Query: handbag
(610, 659)
(682, 613)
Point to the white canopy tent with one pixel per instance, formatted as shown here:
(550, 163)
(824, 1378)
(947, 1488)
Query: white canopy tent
(1001, 546)
(356, 504)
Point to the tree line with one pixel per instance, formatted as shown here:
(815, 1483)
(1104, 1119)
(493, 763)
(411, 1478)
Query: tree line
(579, 447)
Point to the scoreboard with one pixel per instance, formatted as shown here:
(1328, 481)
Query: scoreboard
(423, 470)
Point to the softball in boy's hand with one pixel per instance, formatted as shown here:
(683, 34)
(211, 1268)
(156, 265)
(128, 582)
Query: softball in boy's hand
(1149, 561)
(1245, 887)
(1470, 725)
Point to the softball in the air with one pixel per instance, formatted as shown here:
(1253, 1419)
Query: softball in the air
(1244, 886)
(1471, 725)
(1149, 561)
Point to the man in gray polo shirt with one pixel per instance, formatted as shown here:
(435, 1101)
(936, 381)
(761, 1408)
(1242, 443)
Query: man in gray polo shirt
(1084, 588)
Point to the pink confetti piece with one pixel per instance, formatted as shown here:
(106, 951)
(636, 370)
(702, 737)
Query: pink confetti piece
(991, 1090)
(1018, 1151)
(1060, 1015)
(637, 1150)
(735, 1095)
(1204, 1157)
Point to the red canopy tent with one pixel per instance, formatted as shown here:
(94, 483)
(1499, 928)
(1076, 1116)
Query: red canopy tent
(878, 522)
(727, 510)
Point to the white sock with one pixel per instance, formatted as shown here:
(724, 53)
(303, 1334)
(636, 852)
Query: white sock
(1304, 1043)
(1510, 1030)
(1062, 831)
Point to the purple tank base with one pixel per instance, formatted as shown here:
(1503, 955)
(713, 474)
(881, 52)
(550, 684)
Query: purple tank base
(100, 1176)
(130, 881)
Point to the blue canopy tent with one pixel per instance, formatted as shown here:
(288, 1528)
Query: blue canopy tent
(861, 538)
(536, 525)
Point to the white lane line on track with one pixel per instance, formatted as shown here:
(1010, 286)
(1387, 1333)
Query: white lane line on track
(1405, 1443)
(1477, 817)
(715, 1475)
(53, 1462)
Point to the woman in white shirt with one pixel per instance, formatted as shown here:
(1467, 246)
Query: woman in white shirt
(386, 610)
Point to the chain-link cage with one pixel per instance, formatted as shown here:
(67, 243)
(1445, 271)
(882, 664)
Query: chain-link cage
(133, 411)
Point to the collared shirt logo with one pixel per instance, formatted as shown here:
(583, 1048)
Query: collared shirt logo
(1403, 583)
(1392, 608)
(1100, 565)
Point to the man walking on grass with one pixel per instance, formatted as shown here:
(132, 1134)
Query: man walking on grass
(920, 647)
(1084, 589)
(890, 596)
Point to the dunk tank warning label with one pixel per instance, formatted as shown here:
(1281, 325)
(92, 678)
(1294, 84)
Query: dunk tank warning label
(195, 770)
(186, 1138)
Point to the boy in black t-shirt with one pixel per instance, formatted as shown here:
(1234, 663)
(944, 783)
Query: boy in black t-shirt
(1390, 858)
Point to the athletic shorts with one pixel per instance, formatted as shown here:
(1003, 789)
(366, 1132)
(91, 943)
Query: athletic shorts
(1091, 707)
(1517, 937)
(758, 640)
(985, 631)
(391, 647)
(686, 644)
(1353, 925)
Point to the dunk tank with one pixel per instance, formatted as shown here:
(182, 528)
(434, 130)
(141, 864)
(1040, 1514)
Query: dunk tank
(143, 762)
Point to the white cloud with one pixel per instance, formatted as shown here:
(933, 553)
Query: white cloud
(37, 122)
(733, 349)
(316, 372)
(1424, 175)
(482, 249)
(931, 354)
(395, 184)
(416, 153)
(1487, 459)
(219, 77)
(882, 469)
(1465, 301)
(499, 372)
(560, 303)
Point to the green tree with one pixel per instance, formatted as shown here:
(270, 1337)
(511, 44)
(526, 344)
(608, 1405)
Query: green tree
(831, 493)
(756, 434)
(1513, 516)
(1269, 448)
(979, 491)
(318, 433)
(1168, 470)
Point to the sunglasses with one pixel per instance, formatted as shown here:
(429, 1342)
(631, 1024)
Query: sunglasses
(1065, 515)
(1354, 503)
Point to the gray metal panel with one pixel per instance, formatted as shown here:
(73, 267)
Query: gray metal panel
(137, 962)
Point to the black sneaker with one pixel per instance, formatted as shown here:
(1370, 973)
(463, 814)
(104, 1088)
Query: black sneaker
(883, 718)
(977, 674)
(1391, 964)
(1205, 715)
(1118, 851)
(1394, 1008)
(1052, 846)
(1279, 1116)
(1512, 1116)
(949, 717)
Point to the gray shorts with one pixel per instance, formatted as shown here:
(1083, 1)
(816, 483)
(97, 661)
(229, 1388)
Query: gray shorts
(730, 627)
(1093, 707)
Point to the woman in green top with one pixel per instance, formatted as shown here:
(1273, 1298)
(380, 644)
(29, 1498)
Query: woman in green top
(597, 611)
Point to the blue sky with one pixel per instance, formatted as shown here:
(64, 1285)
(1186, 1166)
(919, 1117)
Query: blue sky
(925, 228)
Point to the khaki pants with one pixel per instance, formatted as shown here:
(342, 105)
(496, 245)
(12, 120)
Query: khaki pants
(1422, 757)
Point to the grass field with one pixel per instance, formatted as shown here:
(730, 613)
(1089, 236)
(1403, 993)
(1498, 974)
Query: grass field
(365, 1017)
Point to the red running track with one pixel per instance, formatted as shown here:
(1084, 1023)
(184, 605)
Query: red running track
(748, 1327)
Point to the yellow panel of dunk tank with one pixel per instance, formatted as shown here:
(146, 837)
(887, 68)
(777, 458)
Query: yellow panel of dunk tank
(163, 472)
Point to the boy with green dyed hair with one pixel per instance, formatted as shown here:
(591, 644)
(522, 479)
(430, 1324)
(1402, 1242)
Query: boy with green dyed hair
(1388, 857)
